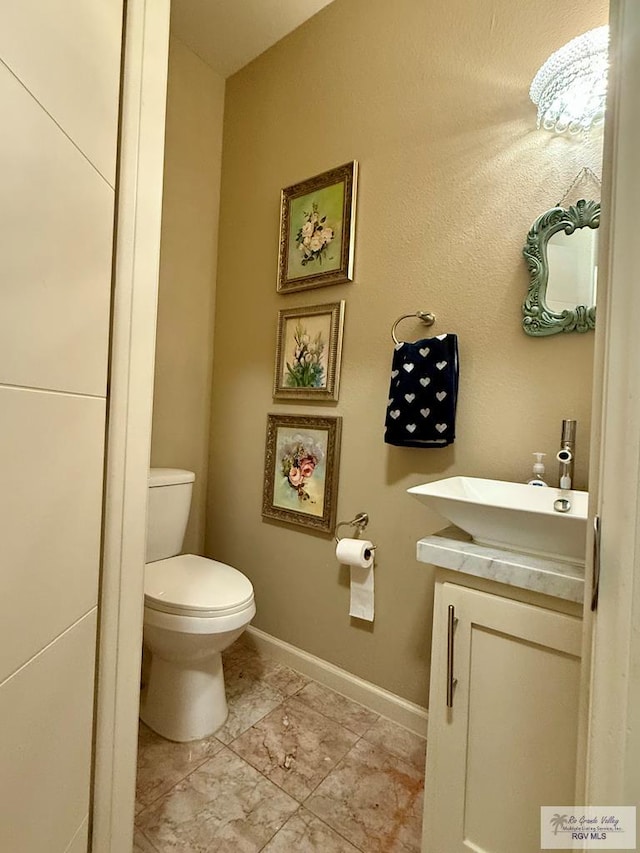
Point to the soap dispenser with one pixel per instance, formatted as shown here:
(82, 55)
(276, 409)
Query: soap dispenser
(538, 471)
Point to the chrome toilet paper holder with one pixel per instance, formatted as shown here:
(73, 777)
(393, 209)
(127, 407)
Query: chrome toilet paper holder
(359, 522)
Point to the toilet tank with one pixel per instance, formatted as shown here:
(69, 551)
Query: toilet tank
(167, 511)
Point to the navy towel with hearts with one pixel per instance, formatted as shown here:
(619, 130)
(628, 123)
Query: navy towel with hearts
(421, 410)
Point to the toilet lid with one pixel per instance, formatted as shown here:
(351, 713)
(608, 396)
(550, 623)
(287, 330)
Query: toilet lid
(197, 585)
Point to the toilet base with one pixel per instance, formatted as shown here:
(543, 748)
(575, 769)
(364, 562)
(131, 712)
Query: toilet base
(183, 702)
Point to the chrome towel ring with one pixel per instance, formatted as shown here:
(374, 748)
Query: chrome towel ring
(426, 316)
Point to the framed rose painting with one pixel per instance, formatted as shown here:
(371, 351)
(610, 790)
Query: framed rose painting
(308, 352)
(301, 470)
(317, 224)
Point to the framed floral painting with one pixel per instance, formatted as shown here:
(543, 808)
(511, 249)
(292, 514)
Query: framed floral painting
(301, 470)
(317, 224)
(308, 352)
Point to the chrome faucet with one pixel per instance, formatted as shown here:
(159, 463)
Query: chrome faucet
(566, 454)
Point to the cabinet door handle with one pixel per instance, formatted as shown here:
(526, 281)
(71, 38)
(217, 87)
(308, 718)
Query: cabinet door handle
(595, 582)
(451, 681)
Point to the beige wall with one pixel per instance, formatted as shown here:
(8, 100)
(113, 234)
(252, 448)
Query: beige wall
(182, 395)
(432, 100)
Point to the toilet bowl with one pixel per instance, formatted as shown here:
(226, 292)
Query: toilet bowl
(194, 608)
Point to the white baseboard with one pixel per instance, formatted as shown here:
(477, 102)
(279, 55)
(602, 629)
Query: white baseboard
(377, 699)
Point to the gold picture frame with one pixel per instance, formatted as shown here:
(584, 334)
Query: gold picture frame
(317, 230)
(301, 470)
(309, 352)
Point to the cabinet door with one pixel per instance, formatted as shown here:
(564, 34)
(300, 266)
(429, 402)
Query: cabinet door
(508, 744)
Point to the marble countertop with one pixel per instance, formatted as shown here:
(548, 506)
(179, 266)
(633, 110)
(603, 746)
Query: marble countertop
(453, 549)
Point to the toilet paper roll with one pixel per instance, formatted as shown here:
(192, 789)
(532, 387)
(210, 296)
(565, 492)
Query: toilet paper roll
(355, 552)
(358, 553)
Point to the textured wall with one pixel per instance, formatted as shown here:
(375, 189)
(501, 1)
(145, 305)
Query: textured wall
(432, 100)
(182, 396)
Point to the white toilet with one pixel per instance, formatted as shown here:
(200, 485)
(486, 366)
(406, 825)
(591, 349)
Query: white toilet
(194, 608)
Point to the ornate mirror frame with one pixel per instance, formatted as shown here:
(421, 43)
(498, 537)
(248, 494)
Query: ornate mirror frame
(539, 320)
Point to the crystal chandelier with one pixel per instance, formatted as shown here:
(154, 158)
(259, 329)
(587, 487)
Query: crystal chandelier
(571, 87)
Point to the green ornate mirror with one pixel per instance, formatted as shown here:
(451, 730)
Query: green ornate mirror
(562, 256)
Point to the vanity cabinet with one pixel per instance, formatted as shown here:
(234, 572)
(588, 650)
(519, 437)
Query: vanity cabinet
(503, 712)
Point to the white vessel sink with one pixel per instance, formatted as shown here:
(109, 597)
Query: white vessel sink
(514, 516)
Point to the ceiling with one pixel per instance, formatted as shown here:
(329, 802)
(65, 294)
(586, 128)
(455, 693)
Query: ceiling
(227, 34)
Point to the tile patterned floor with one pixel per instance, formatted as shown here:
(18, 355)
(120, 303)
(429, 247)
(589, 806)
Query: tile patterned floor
(296, 768)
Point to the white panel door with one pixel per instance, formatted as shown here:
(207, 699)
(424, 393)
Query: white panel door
(46, 711)
(56, 242)
(59, 95)
(51, 459)
(67, 54)
(508, 744)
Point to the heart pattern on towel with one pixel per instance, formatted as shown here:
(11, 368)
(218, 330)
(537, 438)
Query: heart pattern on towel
(421, 403)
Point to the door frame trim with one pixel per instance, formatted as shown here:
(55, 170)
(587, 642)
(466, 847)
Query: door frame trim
(134, 309)
(613, 740)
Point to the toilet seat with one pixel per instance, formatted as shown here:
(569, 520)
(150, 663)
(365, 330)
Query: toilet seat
(196, 587)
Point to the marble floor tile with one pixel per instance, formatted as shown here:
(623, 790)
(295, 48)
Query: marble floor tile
(225, 805)
(249, 700)
(304, 833)
(280, 678)
(141, 845)
(344, 711)
(373, 799)
(162, 763)
(285, 680)
(400, 742)
(295, 747)
(242, 649)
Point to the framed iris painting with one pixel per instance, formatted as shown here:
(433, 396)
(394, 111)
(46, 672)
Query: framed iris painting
(308, 352)
(317, 225)
(301, 470)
